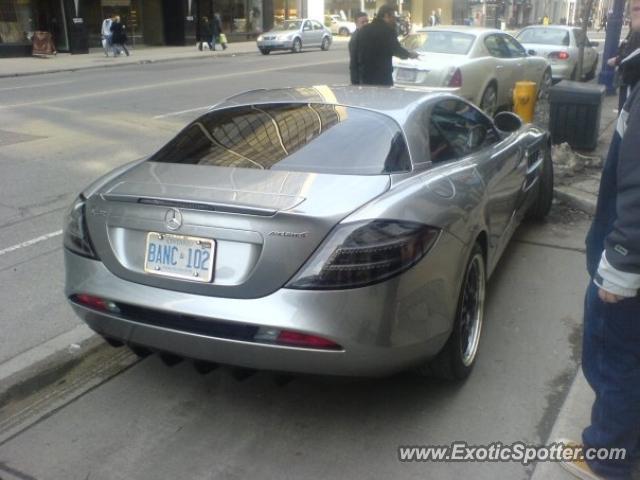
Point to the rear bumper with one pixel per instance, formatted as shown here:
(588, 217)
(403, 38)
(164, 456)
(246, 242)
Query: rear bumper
(382, 329)
(562, 71)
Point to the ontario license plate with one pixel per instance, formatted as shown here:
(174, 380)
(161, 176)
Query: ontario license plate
(406, 75)
(179, 256)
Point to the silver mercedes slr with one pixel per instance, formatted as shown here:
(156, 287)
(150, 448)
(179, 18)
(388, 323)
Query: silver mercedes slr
(327, 230)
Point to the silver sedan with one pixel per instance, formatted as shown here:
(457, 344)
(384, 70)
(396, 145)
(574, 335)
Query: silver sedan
(295, 35)
(561, 46)
(343, 231)
(479, 64)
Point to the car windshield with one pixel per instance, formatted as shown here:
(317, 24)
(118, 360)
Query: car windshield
(544, 36)
(440, 42)
(289, 25)
(309, 137)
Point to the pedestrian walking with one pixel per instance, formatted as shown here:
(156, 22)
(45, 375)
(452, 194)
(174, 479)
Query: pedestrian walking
(218, 36)
(205, 34)
(377, 44)
(106, 34)
(361, 20)
(119, 38)
(611, 340)
(627, 63)
(433, 19)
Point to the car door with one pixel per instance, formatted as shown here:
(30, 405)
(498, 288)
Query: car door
(505, 66)
(318, 32)
(307, 34)
(458, 131)
(590, 53)
(528, 69)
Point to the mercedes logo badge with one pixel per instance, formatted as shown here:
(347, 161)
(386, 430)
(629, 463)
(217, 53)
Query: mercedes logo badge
(173, 219)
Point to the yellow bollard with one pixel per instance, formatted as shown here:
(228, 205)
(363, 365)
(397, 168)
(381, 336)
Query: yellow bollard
(524, 100)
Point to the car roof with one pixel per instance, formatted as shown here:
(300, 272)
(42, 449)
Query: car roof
(395, 102)
(460, 29)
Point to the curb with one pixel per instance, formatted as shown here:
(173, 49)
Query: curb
(46, 363)
(187, 56)
(575, 199)
(572, 418)
(128, 64)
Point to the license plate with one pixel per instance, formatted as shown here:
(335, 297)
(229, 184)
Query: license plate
(406, 75)
(179, 256)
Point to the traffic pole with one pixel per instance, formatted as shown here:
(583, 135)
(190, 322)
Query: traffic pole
(611, 43)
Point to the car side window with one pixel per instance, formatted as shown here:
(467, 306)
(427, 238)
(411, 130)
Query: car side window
(457, 129)
(496, 46)
(515, 49)
(317, 26)
(307, 25)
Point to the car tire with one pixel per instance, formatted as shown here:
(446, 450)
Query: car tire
(456, 360)
(344, 31)
(545, 84)
(297, 46)
(540, 208)
(265, 51)
(325, 44)
(489, 100)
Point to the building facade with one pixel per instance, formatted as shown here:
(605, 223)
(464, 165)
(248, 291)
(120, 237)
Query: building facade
(75, 24)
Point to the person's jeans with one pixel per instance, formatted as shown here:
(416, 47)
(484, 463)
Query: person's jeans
(611, 365)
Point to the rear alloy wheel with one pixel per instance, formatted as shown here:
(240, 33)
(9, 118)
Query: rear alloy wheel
(540, 208)
(344, 32)
(325, 44)
(297, 46)
(489, 101)
(458, 356)
(265, 51)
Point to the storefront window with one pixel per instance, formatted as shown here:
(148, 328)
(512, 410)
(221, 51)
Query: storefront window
(284, 10)
(16, 24)
(241, 16)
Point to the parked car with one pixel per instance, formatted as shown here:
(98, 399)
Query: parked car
(295, 35)
(481, 65)
(338, 25)
(264, 236)
(561, 46)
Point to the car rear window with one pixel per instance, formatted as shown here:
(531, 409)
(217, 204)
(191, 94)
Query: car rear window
(440, 42)
(544, 36)
(306, 137)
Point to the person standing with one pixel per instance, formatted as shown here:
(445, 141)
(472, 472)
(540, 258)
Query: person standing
(611, 340)
(376, 46)
(433, 19)
(216, 28)
(628, 64)
(205, 33)
(106, 34)
(119, 38)
(361, 20)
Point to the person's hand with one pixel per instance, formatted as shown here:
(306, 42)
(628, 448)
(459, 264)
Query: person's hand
(612, 62)
(413, 54)
(608, 297)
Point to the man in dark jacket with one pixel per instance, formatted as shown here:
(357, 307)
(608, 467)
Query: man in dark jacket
(377, 44)
(611, 341)
(205, 33)
(361, 20)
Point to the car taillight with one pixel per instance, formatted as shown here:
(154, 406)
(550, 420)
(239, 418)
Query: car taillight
(76, 235)
(559, 55)
(290, 338)
(456, 78)
(95, 303)
(363, 253)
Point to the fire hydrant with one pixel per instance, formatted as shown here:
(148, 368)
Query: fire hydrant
(524, 100)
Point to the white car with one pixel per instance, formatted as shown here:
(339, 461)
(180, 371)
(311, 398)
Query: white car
(338, 25)
(561, 46)
(481, 65)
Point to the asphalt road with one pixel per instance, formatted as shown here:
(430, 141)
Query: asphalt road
(58, 132)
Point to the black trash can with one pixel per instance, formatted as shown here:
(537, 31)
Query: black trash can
(575, 113)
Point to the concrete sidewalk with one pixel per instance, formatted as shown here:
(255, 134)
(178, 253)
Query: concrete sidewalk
(64, 62)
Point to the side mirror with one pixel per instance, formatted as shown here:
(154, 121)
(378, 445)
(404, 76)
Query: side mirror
(507, 122)
(532, 53)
